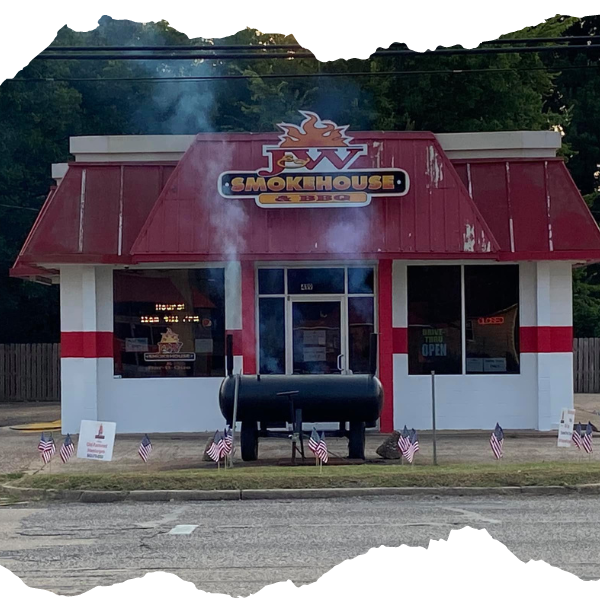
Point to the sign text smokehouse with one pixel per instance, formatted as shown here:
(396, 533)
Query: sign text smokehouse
(311, 167)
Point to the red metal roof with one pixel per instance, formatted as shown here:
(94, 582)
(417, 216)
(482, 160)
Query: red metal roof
(94, 215)
(533, 207)
(515, 209)
(191, 221)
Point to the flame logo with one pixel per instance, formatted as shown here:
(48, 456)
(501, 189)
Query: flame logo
(313, 132)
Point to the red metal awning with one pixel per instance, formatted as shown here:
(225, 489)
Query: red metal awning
(515, 209)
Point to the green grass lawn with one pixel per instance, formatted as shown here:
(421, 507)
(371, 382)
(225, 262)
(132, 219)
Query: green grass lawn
(548, 473)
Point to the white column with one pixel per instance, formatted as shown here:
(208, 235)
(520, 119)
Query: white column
(561, 363)
(79, 375)
(553, 304)
(233, 309)
(399, 320)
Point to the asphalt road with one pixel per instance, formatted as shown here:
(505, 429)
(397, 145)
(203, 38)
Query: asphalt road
(237, 548)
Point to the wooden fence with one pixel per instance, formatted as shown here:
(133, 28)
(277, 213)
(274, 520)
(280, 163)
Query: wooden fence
(586, 365)
(29, 372)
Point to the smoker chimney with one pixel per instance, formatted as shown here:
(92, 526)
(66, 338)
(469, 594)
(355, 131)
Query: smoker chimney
(373, 355)
(229, 354)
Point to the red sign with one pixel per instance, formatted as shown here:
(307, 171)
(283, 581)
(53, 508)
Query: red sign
(490, 320)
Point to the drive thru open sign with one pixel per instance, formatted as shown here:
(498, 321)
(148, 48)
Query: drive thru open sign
(565, 427)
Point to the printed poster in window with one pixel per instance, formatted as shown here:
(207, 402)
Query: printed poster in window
(169, 349)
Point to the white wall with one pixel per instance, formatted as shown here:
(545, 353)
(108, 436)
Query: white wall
(532, 399)
(466, 401)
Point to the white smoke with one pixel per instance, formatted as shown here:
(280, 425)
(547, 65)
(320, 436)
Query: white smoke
(350, 234)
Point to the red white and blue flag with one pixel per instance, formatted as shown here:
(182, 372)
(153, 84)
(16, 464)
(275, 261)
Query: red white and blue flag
(217, 447)
(318, 446)
(413, 446)
(586, 440)
(403, 441)
(227, 441)
(46, 448)
(67, 450)
(577, 435)
(497, 442)
(145, 448)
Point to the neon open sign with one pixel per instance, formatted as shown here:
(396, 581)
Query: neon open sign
(490, 320)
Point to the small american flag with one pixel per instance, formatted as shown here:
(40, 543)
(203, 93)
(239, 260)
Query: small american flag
(46, 448)
(322, 449)
(403, 441)
(216, 448)
(227, 441)
(497, 441)
(413, 446)
(67, 449)
(586, 440)
(576, 437)
(145, 448)
(314, 441)
(318, 446)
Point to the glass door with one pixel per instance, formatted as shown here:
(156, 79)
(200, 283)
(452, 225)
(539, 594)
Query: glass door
(317, 337)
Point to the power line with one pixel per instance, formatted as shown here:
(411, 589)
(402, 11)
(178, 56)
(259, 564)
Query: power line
(19, 207)
(253, 47)
(298, 75)
(309, 55)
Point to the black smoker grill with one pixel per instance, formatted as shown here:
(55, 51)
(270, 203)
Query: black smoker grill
(273, 401)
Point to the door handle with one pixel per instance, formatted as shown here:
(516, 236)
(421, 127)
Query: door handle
(339, 361)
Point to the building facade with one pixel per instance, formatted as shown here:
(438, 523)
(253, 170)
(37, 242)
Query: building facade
(457, 249)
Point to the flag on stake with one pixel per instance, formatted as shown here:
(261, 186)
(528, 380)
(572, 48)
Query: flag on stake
(314, 441)
(46, 448)
(227, 441)
(322, 449)
(497, 442)
(577, 435)
(403, 441)
(216, 448)
(145, 448)
(318, 446)
(586, 440)
(413, 446)
(67, 450)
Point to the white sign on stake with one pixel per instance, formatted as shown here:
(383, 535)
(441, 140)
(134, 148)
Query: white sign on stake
(96, 440)
(565, 427)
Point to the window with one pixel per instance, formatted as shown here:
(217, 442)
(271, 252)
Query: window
(492, 319)
(271, 281)
(434, 320)
(169, 323)
(361, 281)
(271, 335)
(361, 324)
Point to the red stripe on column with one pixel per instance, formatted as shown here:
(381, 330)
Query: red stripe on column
(546, 339)
(237, 341)
(386, 344)
(248, 318)
(86, 344)
(400, 340)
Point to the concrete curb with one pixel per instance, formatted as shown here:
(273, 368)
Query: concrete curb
(91, 496)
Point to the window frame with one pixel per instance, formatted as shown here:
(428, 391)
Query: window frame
(172, 267)
(463, 326)
(345, 295)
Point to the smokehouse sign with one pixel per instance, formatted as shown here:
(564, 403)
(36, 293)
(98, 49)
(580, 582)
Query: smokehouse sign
(310, 167)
